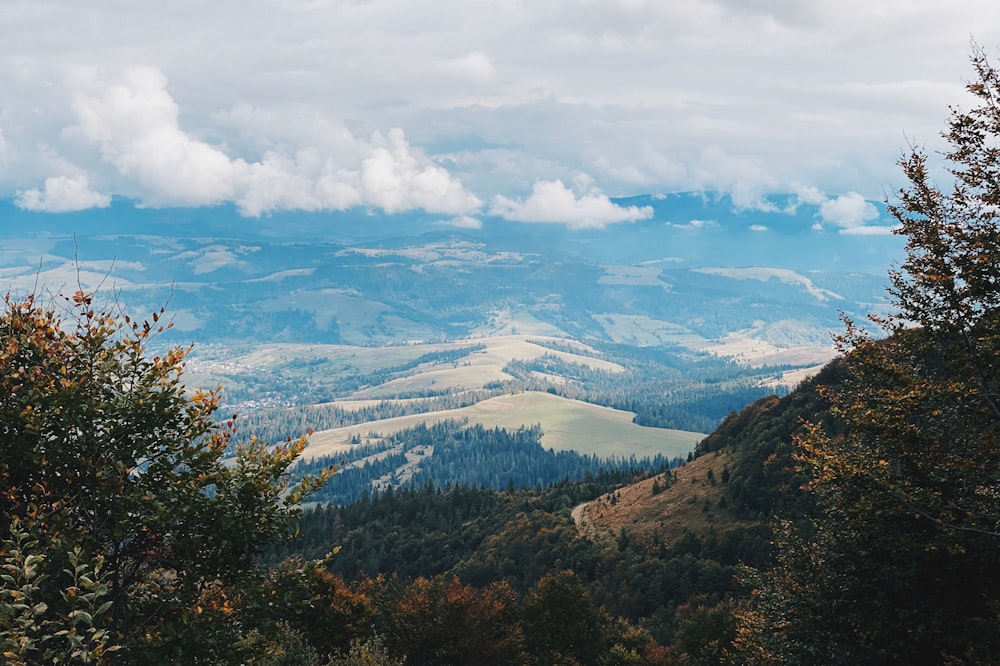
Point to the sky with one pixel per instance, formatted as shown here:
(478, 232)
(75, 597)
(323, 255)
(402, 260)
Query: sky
(528, 110)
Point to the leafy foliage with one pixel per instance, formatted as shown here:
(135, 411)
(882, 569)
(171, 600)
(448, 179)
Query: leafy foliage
(32, 631)
(442, 621)
(117, 508)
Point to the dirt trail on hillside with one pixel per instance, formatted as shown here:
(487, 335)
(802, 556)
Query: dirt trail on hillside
(582, 520)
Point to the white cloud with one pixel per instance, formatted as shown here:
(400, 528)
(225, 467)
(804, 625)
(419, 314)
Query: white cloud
(62, 194)
(772, 92)
(874, 230)
(393, 179)
(694, 225)
(758, 227)
(475, 66)
(135, 124)
(464, 222)
(744, 178)
(806, 194)
(848, 211)
(305, 181)
(748, 197)
(552, 201)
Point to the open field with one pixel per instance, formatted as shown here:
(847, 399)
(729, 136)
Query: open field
(643, 330)
(515, 322)
(482, 366)
(766, 274)
(566, 424)
(689, 504)
(792, 378)
(499, 350)
(345, 358)
(483, 362)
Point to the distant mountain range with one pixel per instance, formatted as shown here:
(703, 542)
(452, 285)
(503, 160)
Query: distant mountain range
(698, 273)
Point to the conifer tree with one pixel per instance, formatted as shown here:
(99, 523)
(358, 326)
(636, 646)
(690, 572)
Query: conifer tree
(902, 565)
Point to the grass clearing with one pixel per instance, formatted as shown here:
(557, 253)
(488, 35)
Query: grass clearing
(566, 424)
(691, 503)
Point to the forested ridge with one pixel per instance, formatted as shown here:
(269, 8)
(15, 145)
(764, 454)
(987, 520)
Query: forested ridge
(667, 387)
(482, 537)
(455, 453)
(683, 592)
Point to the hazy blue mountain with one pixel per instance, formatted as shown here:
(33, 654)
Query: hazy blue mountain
(364, 278)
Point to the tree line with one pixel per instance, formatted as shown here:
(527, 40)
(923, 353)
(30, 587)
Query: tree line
(453, 453)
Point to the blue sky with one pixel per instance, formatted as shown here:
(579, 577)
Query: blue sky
(534, 110)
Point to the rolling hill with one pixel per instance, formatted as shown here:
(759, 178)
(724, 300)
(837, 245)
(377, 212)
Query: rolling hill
(566, 425)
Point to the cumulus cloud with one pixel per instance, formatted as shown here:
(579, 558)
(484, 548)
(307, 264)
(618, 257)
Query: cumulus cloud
(393, 179)
(748, 197)
(808, 194)
(848, 211)
(62, 194)
(304, 181)
(135, 124)
(464, 222)
(758, 227)
(552, 201)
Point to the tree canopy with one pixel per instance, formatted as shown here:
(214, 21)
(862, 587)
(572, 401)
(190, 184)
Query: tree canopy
(120, 516)
(901, 567)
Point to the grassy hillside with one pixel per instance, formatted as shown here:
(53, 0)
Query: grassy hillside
(352, 372)
(664, 508)
(742, 475)
(566, 425)
(607, 402)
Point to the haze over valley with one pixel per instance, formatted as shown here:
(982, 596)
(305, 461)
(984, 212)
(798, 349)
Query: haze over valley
(636, 340)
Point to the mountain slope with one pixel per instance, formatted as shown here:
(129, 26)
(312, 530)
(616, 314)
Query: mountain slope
(741, 475)
(566, 424)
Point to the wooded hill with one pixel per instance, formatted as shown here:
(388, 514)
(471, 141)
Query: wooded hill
(663, 551)
(687, 554)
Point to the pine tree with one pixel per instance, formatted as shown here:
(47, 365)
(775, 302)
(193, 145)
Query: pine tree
(902, 566)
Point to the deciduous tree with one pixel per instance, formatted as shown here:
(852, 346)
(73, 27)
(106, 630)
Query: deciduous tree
(105, 456)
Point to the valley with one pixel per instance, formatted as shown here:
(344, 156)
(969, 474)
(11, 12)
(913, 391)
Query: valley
(354, 333)
(617, 345)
